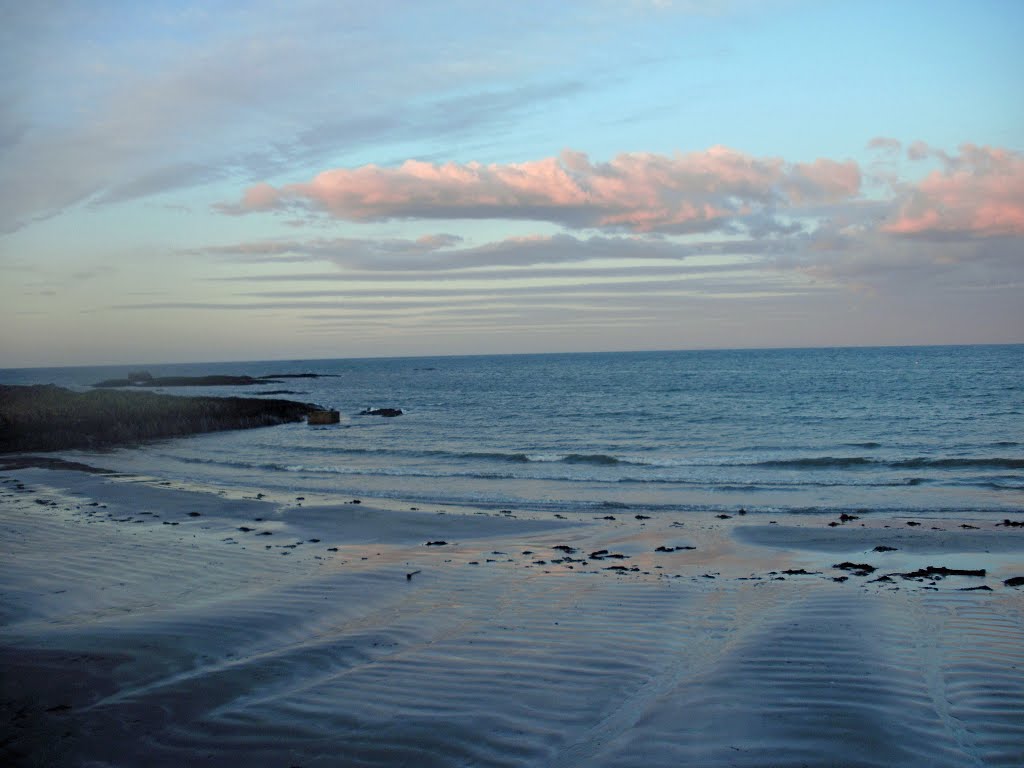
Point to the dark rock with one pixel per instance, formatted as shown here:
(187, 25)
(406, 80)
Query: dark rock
(326, 416)
(608, 517)
(596, 555)
(642, 517)
(982, 588)
(937, 572)
(265, 533)
(332, 549)
(388, 412)
(969, 527)
(883, 579)
(884, 548)
(799, 572)
(565, 548)
(833, 524)
(847, 518)
(724, 516)
(436, 543)
(1015, 581)
(840, 579)
(194, 514)
(243, 529)
(858, 569)
(912, 523)
(672, 549)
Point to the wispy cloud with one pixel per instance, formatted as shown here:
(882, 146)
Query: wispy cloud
(438, 253)
(214, 95)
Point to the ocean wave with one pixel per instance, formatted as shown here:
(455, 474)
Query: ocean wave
(214, 462)
(597, 459)
(994, 462)
(638, 469)
(397, 472)
(839, 462)
(593, 458)
(816, 461)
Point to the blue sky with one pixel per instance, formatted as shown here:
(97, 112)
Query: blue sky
(259, 180)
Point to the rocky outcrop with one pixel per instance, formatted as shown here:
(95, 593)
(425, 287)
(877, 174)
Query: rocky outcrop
(50, 418)
(323, 417)
(389, 412)
(146, 379)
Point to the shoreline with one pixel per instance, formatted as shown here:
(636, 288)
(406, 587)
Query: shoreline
(140, 624)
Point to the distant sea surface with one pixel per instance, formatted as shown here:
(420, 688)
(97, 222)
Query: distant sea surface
(917, 430)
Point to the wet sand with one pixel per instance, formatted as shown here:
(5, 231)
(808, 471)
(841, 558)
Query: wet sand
(147, 624)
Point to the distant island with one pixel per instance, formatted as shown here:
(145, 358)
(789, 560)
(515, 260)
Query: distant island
(146, 379)
(45, 417)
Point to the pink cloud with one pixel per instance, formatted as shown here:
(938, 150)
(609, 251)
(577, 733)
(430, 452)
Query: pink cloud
(636, 191)
(824, 180)
(260, 197)
(979, 193)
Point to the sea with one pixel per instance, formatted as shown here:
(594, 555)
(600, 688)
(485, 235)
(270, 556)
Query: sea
(909, 430)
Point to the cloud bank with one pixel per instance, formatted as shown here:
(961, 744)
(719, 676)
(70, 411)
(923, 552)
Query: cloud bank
(639, 192)
(976, 193)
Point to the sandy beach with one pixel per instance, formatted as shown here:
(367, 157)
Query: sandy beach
(162, 625)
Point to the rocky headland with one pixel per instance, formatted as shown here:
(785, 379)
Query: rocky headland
(49, 418)
(146, 379)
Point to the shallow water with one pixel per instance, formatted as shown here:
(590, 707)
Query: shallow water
(921, 429)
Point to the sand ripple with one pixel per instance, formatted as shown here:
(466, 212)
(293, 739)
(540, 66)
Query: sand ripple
(164, 646)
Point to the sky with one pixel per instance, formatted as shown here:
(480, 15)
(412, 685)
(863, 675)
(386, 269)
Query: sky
(298, 180)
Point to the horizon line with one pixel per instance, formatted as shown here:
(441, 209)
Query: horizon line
(516, 354)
